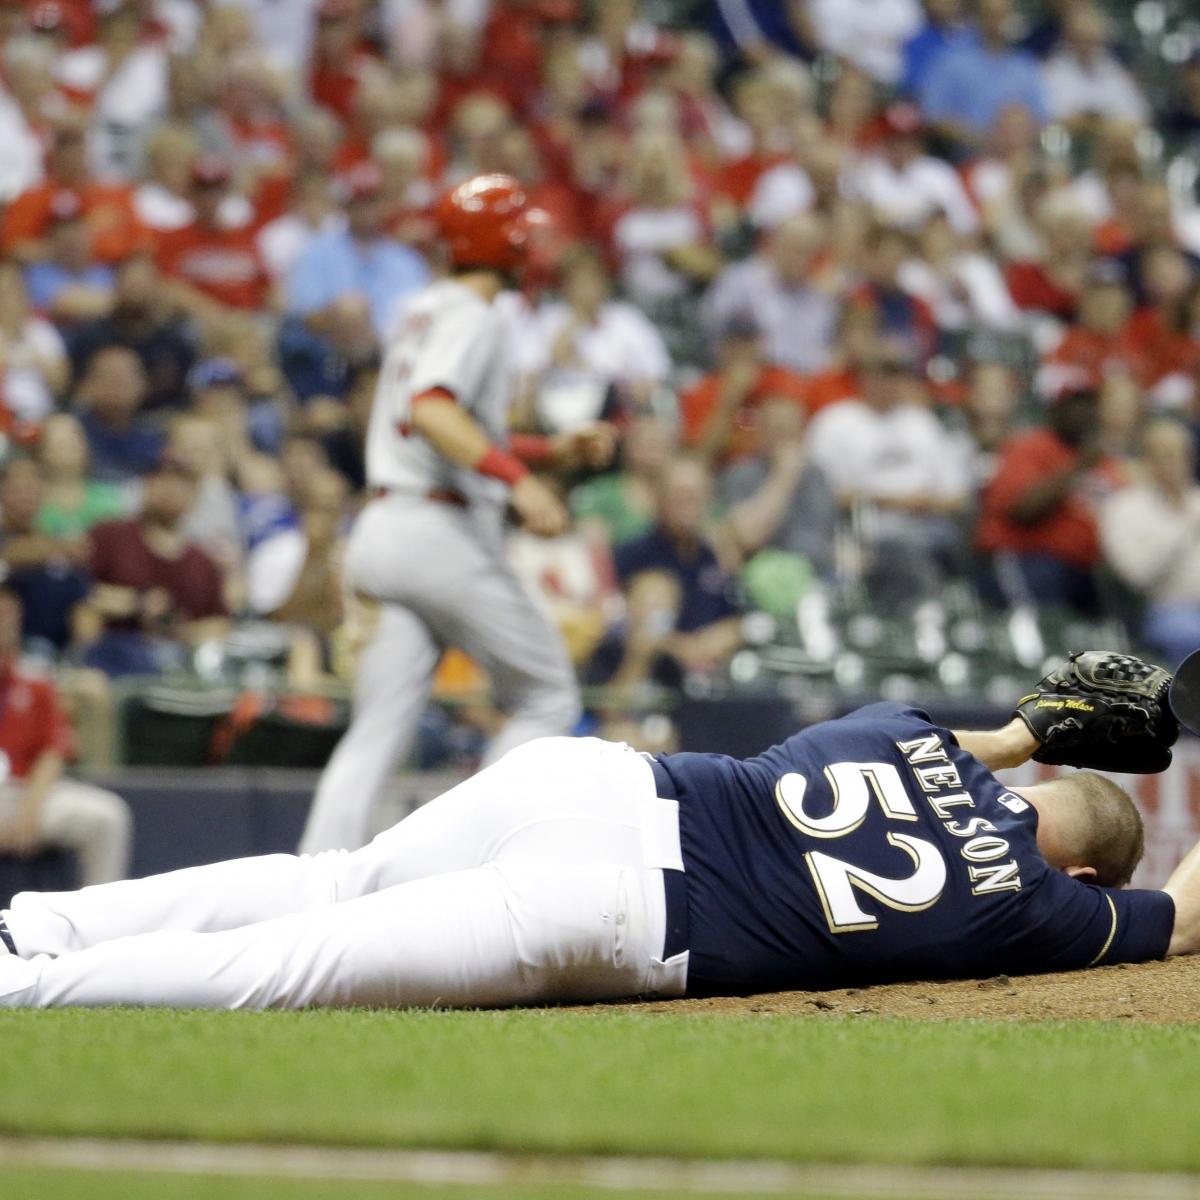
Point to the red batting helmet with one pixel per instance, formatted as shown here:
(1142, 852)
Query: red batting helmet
(482, 222)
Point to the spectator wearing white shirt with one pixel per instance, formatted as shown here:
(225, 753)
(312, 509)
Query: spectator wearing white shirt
(293, 575)
(662, 240)
(1011, 153)
(870, 33)
(29, 80)
(904, 185)
(198, 446)
(963, 288)
(776, 287)
(890, 460)
(33, 359)
(283, 30)
(127, 76)
(816, 180)
(1084, 80)
(578, 351)
(1150, 532)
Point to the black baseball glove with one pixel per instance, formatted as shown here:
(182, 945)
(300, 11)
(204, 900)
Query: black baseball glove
(1105, 711)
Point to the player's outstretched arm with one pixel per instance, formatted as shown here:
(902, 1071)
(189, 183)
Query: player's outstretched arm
(1010, 746)
(458, 437)
(450, 429)
(1184, 888)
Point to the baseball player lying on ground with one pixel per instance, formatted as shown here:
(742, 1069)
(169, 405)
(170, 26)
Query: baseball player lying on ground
(875, 847)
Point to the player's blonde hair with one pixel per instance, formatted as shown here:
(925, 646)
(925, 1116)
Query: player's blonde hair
(1107, 828)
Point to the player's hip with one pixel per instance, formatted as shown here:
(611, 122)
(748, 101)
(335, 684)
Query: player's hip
(401, 548)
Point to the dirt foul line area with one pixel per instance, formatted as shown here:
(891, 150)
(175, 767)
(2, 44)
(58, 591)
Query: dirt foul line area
(679, 1176)
(1156, 993)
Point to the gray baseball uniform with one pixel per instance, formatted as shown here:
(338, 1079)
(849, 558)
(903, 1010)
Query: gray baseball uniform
(430, 548)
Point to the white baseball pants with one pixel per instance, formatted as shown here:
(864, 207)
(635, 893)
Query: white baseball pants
(538, 880)
(443, 580)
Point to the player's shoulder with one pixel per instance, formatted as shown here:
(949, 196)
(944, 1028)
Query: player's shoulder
(870, 733)
(448, 295)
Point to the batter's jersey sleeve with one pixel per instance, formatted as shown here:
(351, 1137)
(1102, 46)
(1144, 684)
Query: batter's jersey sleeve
(456, 352)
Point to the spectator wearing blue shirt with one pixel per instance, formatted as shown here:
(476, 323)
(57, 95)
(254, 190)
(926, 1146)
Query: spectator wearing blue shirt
(754, 29)
(683, 615)
(943, 29)
(358, 263)
(123, 445)
(968, 86)
(68, 286)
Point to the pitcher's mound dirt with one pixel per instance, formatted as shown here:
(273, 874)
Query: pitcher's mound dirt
(1159, 993)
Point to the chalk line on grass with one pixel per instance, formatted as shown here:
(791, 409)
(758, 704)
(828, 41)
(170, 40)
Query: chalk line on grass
(700, 1176)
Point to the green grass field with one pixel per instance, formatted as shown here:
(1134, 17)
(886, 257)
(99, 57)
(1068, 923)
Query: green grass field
(96, 1185)
(1100, 1095)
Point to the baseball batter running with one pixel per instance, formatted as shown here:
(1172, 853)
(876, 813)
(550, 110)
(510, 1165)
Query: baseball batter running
(875, 847)
(429, 546)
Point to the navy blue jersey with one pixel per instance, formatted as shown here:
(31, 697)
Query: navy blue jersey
(871, 848)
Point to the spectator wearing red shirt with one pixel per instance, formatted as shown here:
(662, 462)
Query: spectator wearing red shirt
(1037, 524)
(1163, 332)
(857, 337)
(338, 61)
(1049, 276)
(215, 266)
(107, 208)
(38, 806)
(1100, 342)
(720, 413)
(156, 592)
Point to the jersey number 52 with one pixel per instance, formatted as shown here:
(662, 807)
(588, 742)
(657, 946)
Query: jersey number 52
(855, 786)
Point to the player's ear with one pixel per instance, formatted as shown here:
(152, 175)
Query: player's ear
(1083, 874)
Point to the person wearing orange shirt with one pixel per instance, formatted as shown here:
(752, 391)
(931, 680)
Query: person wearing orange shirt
(113, 227)
(213, 264)
(720, 413)
(1037, 525)
(38, 806)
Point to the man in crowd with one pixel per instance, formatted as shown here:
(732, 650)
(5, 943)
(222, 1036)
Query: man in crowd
(683, 613)
(777, 287)
(143, 320)
(358, 265)
(1037, 524)
(123, 445)
(1150, 532)
(213, 262)
(969, 84)
(43, 571)
(38, 805)
(156, 593)
(890, 460)
(722, 411)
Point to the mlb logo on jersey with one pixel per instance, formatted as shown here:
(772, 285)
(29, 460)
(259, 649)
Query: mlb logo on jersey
(1012, 802)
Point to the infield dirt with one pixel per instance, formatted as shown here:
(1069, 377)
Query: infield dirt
(1155, 993)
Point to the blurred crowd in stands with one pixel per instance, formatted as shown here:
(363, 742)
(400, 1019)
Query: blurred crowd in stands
(891, 302)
